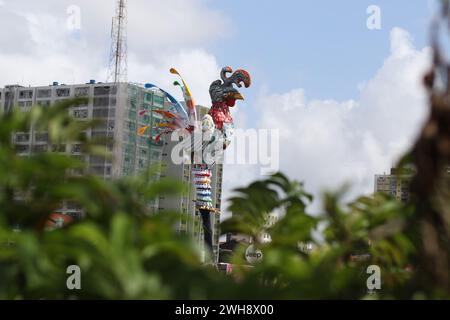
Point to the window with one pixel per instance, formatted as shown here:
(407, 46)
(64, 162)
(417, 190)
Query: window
(158, 100)
(9, 95)
(156, 154)
(144, 119)
(104, 113)
(78, 172)
(24, 104)
(46, 93)
(76, 148)
(104, 102)
(78, 158)
(99, 171)
(80, 114)
(127, 171)
(130, 137)
(71, 205)
(22, 137)
(104, 125)
(64, 92)
(128, 148)
(83, 135)
(105, 90)
(40, 148)
(96, 160)
(75, 215)
(143, 140)
(58, 148)
(41, 137)
(82, 92)
(101, 102)
(99, 134)
(133, 104)
(44, 103)
(148, 97)
(131, 126)
(22, 148)
(128, 158)
(26, 94)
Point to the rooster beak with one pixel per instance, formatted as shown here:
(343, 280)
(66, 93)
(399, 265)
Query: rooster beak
(238, 96)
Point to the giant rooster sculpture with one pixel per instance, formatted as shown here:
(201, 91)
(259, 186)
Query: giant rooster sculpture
(216, 129)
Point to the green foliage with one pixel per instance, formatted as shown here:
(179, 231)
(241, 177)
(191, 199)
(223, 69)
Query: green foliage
(126, 251)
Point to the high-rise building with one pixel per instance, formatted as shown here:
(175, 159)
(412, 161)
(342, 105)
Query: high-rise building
(190, 221)
(395, 184)
(116, 106)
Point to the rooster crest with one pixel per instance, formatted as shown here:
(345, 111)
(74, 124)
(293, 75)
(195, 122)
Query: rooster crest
(224, 91)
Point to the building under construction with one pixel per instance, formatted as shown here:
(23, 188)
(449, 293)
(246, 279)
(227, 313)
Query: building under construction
(115, 105)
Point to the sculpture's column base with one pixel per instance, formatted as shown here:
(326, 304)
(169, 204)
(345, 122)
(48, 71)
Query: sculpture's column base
(207, 231)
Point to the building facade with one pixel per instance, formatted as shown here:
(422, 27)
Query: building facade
(116, 106)
(396, 184)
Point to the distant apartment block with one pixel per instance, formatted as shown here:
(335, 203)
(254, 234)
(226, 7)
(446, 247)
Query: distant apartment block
(396, 184)
(116, 106)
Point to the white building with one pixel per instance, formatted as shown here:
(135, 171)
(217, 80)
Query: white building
(116, 106)
(395, 184)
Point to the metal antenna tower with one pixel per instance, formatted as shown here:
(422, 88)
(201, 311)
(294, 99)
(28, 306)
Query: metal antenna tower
(118, 63)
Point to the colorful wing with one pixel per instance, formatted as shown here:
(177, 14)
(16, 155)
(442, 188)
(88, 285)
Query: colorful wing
(167, 114)
(181, 112)
(188, 98)
(180, 119)
(142, 130)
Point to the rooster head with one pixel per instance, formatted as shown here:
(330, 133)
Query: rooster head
(223, 91)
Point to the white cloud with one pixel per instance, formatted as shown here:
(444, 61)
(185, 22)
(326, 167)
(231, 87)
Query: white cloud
(327, 143)
(198, 68)
(39, 48)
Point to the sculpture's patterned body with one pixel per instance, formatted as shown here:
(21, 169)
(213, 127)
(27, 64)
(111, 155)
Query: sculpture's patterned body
(217, 126)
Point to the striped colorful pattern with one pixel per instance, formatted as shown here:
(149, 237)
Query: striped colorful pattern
(202, 182)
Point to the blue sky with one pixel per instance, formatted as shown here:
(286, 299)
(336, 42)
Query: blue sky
(322, 45)
(324, 50)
